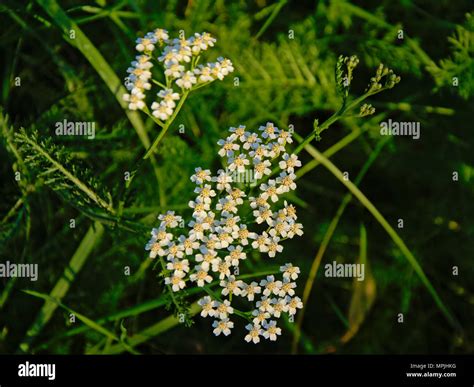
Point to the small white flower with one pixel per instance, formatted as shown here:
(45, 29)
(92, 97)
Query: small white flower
(227, 206)
(174, 251)
(177, 283)
(224, 238)
(265, 305)
(270, 191)
(230, 224)
(142, 62)
(169, 56)
(227, 147)
(205, 193)
(201, 42)
(259, 201)
(236, 194)
(271, 330)
(210, 220)
(135, 100)
(184, 52)
(170, 219)
(239, 163)
(261, 242)
(259, 152)
(145, 44)
(293, 304)
(287, 289)
(226, 65)
(270, 286)
(250, 290)
(161, 110)
(238, 133)
(197, 229)
(204, 73)
(289, 271)
(280, 307)
(287, 182)
(295, 229)
(274, 247)
(159, 34)
(200, 176)
(161, 236)
(189, 245)
(174, 70)
(138, 87)
(180, 267)
(223, 309)
(274, 149)
(187, 80)
(138, 74)
(260, 316)
(199, 207)
(223, 326)
(289, 163)
(280, 228)
(211, 242)
(284, 137)
(231, 286)
(254, 333)
(200, 277)
(216, 71)
(261, 168)
(290, 210)
(155, 249)
(235, 255)
(251, 140)
(269, 131)
(222, 267)
(263, 214)
(169, 97)
(243, 235)
(207, 258)
(223, 180)
(207, 306)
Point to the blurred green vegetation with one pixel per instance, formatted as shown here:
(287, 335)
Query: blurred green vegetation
(284, 53)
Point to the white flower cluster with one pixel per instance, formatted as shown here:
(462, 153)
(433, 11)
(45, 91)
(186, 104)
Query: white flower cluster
(182, 72)
(219, 239)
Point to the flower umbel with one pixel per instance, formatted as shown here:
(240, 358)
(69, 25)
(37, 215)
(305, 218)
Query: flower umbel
(179, 73)
(236, 213)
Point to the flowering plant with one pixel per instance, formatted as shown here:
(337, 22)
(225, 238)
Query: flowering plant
(235, 214)
(182, 73)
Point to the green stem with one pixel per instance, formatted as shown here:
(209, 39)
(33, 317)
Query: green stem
(166, 126)
(83, 187)
(331, 120)
(159, 83)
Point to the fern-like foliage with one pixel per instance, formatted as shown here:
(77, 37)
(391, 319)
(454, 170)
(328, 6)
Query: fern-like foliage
(461, 63)
(55, 167)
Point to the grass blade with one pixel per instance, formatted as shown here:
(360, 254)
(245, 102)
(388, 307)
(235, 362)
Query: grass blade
(90, 323)
(92, 237)
(391, 232)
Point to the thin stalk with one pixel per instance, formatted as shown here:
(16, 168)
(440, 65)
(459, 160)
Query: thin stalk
(83, 187)
(166, 126)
